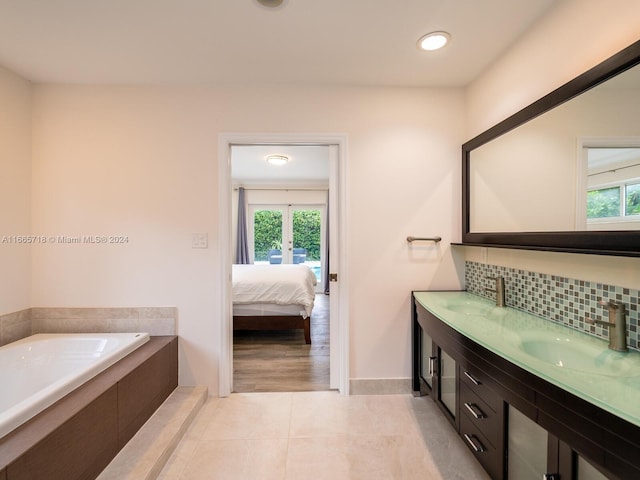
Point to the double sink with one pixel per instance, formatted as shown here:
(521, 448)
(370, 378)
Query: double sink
(572, 359)
(561, 347)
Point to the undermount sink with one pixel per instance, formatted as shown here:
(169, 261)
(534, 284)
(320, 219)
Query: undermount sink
(469, 307)
(583, 356)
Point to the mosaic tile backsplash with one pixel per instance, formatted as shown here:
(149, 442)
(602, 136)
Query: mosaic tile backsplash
(564, 300)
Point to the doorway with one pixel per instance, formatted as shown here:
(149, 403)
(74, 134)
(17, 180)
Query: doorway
(339, 364)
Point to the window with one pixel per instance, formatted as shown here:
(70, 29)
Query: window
(632, 198)
(288, 234)
(614, 201)
(603, 203)
(613, 185)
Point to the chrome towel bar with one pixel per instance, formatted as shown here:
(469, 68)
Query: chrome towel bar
(427, 239)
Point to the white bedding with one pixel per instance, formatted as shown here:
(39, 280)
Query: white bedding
(284, 284)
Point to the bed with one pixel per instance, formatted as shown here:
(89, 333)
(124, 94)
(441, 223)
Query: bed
(273, 297)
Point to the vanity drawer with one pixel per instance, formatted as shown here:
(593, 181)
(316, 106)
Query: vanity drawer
(478, 384)
(488, 455)
(480, 414)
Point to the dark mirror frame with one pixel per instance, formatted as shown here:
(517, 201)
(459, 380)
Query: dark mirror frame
(622, 243)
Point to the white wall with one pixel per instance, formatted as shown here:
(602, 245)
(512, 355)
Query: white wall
(15, 191)
(142, 162)
(574, 36)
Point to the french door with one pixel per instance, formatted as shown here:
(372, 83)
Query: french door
(288, 234)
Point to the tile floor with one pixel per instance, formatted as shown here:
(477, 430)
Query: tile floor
(320, 435)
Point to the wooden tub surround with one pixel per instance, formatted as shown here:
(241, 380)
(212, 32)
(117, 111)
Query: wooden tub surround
(79, 435)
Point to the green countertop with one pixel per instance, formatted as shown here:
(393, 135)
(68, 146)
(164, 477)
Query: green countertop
(572, 360)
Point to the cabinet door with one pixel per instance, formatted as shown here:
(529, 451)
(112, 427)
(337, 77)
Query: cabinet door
(586, 471)
(527, 447)
(447, 382)
(427, 358)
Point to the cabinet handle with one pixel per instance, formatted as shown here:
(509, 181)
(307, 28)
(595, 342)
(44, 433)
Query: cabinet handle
(432, 362)
(475, 410)
(472, 378)
(478, 448)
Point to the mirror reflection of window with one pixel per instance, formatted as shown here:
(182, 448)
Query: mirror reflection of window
(613, 188)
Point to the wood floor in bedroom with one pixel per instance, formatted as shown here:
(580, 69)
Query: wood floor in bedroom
(280, 361)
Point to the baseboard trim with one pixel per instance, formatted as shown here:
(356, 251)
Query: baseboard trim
(379, 386)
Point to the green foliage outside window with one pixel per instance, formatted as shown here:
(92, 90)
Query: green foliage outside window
(603, 203)
(268, 232)
(306, 232)
(633, 199)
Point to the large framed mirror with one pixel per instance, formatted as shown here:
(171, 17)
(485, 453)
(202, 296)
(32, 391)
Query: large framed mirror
(563, 174)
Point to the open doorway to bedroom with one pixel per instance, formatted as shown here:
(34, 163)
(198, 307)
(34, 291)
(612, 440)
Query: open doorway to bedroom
(279, 225)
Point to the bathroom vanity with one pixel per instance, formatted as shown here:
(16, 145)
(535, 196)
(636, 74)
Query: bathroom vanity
(529, 397)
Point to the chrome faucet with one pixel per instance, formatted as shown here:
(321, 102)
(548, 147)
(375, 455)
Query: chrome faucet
(499, 290)
(617, 324)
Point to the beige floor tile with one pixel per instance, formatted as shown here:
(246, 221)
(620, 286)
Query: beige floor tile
(251, 415)
(329, 413)
(354, 457)
(318, 435)
(205, 416)
(238, 459)
(180, 458)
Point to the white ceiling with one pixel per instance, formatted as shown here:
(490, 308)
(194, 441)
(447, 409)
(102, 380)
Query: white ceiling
(308, 165)
(345, 42)
(605, 159)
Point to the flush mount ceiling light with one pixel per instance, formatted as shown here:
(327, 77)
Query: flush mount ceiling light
(433, 41)
(277, 159)
(270, 3)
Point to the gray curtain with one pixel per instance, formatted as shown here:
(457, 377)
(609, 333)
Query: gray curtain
(326, 252)
(242, 243)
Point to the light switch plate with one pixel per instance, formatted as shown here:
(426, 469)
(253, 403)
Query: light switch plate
(199, 240)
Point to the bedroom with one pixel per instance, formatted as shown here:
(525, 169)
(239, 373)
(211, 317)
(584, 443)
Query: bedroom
(282, 210)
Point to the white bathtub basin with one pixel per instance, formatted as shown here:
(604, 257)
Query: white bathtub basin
(37, 371)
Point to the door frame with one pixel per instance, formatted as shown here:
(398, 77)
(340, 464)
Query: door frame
(339, 342)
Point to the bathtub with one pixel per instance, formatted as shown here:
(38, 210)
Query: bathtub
(38, 370)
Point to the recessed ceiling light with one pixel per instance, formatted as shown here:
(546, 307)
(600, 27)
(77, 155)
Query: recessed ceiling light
(433, 41)
(277, 159)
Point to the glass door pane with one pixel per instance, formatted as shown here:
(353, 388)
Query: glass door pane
(527, 448)
(267, 235)
(586, 471)
(448, 381)
(306, 239)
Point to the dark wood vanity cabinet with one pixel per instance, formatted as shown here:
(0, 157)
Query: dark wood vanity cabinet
(437, 374)
(502, 410)
(481, 419)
